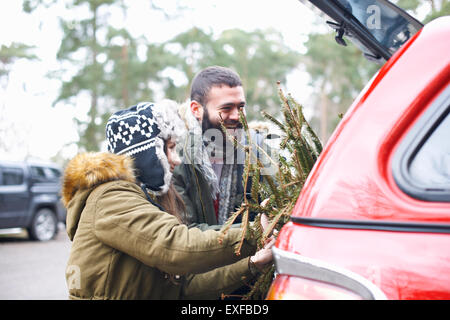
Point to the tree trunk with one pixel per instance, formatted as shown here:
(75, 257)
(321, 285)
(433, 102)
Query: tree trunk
(323, 115)
(91, 142)
(124, 58)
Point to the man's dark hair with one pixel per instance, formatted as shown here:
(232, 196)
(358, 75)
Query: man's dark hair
(210, 77)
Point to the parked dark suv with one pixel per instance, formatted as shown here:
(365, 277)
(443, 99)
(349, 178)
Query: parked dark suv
(29, 198)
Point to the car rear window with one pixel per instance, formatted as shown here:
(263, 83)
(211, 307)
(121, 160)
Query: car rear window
(421, 165)
(431, 165)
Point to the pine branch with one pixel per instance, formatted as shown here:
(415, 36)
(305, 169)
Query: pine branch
(227, 225)
(244, 231)
(283, 188)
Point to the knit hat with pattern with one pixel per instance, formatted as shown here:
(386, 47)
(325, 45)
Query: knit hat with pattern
(140, 132)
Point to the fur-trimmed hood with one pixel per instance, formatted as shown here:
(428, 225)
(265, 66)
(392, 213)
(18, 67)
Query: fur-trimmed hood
(89, 169)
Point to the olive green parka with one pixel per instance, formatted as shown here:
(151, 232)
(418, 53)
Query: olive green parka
(124, 247)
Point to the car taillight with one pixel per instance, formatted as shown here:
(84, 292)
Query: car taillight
(300, 278)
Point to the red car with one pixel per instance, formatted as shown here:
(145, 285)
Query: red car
(373, 219)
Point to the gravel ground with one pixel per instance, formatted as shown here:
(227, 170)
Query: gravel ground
(31, 270)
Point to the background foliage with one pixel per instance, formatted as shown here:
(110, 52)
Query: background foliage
(115, 70)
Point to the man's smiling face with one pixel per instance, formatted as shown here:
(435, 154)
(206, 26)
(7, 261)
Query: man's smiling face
(223, 104)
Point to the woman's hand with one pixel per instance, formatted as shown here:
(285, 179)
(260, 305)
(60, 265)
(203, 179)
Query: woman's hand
(264, 255)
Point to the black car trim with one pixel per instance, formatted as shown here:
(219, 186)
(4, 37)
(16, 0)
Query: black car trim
(412, 143)
(373, 225)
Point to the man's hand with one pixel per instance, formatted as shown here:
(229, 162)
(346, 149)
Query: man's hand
(264, 222)
(264, 255)
(264, 202)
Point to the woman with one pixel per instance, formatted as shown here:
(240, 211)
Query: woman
(125, 243)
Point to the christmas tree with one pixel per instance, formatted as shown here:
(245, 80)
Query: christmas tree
(282, 189)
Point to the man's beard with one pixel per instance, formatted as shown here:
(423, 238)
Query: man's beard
(221, 150)
(207, 124)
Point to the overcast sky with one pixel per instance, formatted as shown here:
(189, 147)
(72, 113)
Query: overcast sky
(27, 101)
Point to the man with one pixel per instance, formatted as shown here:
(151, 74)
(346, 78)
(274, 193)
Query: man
(210, 177)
